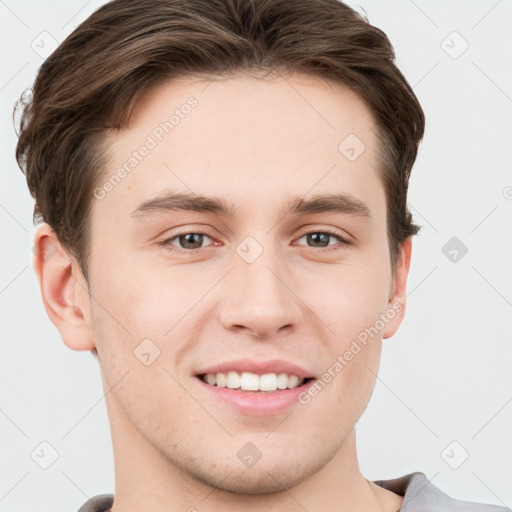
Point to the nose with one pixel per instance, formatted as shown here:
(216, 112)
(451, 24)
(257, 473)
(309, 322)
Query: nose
(259, 298)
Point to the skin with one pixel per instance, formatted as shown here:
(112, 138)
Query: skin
(256, 143)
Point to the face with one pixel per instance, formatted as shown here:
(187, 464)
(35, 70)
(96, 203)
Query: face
(180, 290)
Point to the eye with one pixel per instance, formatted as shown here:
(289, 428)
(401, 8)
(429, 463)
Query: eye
(322, 238)
(190, 242)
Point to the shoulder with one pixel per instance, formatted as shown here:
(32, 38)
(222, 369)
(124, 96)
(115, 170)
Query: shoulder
(99, 503)
(421, 495)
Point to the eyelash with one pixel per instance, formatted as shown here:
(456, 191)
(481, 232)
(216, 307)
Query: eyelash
(167, 242)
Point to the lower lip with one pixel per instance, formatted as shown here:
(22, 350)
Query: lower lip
(257, 403)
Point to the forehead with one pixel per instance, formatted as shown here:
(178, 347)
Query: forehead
(245, 138)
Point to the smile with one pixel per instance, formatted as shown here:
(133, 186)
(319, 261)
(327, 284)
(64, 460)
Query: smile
(248, 381)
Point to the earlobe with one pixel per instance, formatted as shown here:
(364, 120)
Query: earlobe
(63, 289)
(397, 300)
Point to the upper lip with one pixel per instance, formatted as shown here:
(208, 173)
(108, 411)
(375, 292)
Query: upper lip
(259, 367)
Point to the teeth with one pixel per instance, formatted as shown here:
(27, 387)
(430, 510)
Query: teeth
(268, 382)
(293, 381)
(248, 381)
(282, 381)
(220, 379)
(233, 380)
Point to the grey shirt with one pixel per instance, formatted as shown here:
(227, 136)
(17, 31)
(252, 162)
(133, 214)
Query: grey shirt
(420, 495)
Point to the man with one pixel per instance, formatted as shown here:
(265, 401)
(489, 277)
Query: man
(223, 186)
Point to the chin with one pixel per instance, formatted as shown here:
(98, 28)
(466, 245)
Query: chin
(265, 480)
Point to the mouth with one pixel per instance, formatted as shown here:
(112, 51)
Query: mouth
(229, 392)
(255, 388)
(253, 383)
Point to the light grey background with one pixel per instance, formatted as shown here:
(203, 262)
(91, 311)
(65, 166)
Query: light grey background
(445, 376)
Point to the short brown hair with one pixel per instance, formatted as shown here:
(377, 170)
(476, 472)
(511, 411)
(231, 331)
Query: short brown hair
(90, 83)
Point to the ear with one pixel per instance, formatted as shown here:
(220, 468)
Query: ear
(396, 306)
(64, 289)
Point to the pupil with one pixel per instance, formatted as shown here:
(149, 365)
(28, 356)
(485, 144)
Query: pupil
(316, 236)
(185, 239)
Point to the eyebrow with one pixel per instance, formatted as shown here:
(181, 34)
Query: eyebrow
(328, 203)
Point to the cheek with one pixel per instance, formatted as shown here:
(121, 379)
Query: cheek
(146, 303)
(342, 392)
(130, 317)
(141, 312)
(348, 302)
(352, 307)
